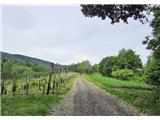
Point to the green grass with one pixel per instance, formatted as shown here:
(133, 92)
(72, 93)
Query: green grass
(27, 105)
(23, 105)
(114, 83)
(69, 84)
(139, 94)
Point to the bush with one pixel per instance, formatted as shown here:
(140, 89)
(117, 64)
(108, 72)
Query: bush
(123, 74)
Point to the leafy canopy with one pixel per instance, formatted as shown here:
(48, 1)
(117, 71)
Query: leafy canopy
(116, 12)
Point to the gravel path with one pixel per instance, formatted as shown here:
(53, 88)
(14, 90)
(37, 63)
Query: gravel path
(85, 99)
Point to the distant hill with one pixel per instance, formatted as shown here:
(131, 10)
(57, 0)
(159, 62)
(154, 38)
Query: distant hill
(23, 58)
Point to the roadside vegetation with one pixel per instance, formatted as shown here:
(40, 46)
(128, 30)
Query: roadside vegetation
(36, 104)
(127, 78)
(137, 93)
(27, 105)
(29, 89)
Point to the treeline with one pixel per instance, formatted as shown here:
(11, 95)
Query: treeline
(83, 67)
(127, 65)
(26, 77)
(14, 69)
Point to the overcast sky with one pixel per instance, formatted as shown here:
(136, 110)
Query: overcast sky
(62, 34)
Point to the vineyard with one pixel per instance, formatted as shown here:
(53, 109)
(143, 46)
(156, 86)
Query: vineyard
(23, 81)
(36, 86)
(31, 89)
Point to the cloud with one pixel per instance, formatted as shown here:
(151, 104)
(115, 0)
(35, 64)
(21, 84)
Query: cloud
(1, 28)
(17, 17)
(62, 34)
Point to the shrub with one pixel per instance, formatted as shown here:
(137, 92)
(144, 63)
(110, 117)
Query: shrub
(123, 74)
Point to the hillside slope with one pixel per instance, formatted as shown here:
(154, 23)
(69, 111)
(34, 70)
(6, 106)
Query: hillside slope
(23, 58)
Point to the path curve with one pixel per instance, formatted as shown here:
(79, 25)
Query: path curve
(85, 99)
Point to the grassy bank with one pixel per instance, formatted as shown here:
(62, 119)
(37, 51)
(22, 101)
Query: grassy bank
(28, 105)
(138, 94)
(24, 105)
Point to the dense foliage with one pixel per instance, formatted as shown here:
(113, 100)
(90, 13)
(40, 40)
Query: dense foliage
(125, 65)
(123, 74)
(95, 68)
(127, 59)
(153, 67)
(154, 43)
(116, 12)
(83, 67)
(106, 65)
(152, 71)
(11, 69)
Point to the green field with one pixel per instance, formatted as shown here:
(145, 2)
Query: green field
(33, 104)
(139, 94)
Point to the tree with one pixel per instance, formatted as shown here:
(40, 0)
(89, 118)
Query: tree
(153, 67)
(127, 59)
(84, 67)
(116, 12)
(154, 43)
(95, 68)
(7, 66)
(106, 65)
(138, 12)
(152, 71)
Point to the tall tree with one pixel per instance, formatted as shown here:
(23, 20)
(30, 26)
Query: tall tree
(127, 59)
(154, 42)
(152, 71)
(106, 65)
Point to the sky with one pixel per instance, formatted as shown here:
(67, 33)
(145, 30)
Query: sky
(63, 34)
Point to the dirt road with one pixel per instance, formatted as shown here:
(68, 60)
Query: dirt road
(85, 99)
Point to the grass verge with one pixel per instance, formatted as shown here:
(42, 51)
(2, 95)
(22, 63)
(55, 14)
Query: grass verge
(27, 105)
(141, 95)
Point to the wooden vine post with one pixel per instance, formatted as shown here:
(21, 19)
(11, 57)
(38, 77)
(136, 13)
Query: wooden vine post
(49, 81)
(14, 85)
